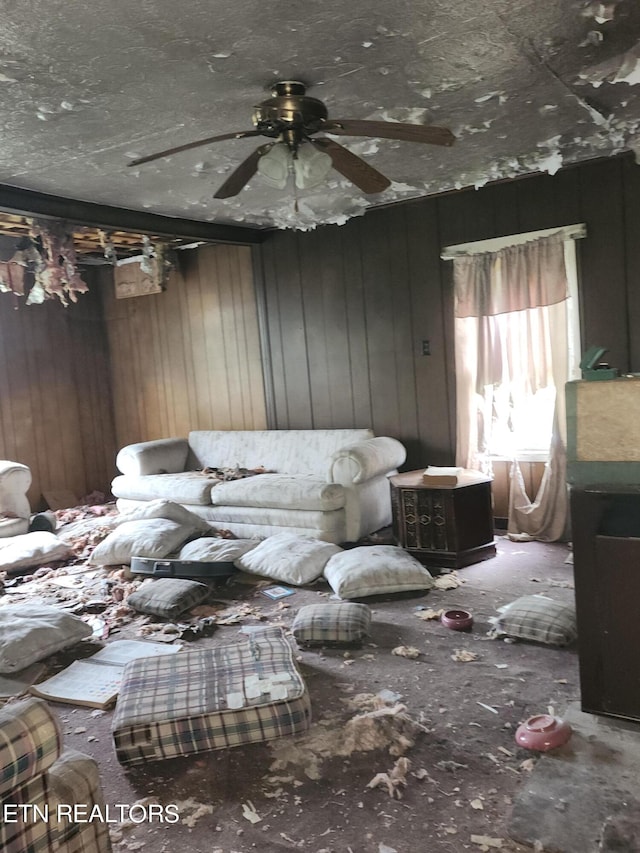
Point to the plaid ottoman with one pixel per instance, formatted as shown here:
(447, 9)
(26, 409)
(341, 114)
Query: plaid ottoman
(245, 692)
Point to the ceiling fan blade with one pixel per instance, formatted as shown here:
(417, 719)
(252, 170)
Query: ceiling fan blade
(390, 130)
(243, 174)
(364, 176)
(237, 135)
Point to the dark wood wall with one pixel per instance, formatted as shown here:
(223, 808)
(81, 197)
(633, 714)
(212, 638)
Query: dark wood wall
(346, 308)
(189, 357)
(56, 411)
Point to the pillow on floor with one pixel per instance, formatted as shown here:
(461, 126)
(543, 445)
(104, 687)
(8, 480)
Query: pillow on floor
(31, 549)
(31, 632)
(537, 618)
(168, 597)
(375, 570)
(288, 558)
(151, 537)
(213, 550)
(336, 624)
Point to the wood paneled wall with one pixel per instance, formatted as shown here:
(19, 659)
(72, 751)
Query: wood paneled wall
(55, 400)
(347, 308)
(188, 358)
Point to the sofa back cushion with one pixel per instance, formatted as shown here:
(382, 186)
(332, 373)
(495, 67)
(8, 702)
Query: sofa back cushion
(285, 451)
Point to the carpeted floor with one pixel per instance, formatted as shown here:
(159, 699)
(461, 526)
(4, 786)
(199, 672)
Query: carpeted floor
(464, 771)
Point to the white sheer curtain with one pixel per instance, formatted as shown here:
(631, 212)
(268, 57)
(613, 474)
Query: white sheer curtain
(511, 342)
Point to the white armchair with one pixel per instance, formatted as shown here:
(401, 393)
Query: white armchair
(15, 511)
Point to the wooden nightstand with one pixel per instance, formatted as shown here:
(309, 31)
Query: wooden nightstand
(448, 526)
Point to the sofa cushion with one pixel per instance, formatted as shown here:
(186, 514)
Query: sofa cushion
(30, 741)
(285, 491)
(167, 597)
(212, 550)
(288, 558)
(343, 623)
(151, 537)
(537, 618)
(191, 487)
(375, 570)
(161, 508)
(32, 632)
(31, 549)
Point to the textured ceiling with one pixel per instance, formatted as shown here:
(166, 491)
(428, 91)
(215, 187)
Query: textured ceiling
(525, 86)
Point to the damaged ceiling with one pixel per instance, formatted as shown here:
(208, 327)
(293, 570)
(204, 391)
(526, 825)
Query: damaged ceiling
(525, 85)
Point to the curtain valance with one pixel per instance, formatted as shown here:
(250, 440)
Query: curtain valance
(527, 275)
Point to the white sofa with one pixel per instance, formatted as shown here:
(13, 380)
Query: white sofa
(331, 484)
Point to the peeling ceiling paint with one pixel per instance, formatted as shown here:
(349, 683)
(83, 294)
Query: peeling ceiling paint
(525, 85)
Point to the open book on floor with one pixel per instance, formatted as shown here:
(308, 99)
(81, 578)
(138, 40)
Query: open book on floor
(95, 681)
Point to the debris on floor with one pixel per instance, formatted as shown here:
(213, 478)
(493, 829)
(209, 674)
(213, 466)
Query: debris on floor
(385, 727)
(394, 779)
(464, 655)
(406, 652)
(447, 581)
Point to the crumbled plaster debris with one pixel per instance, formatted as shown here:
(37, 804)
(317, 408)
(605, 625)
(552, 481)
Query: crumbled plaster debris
(387, 728)
(486, 842)
(499, 96)
(394, 780)
(429, 614)
(464, 655)
(194, 811)
(249, 812)
(449, 581)
(406, 652)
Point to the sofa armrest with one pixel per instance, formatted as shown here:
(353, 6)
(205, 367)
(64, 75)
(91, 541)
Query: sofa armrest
(162, 456)
(15, 479)
(357, 463)
(30, 742)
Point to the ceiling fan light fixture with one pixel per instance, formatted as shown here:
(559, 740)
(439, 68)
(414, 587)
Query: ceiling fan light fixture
(274, 166)
(310, 166)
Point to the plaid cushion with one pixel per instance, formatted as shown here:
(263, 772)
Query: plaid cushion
(37, 775)
(245, 692)
(168, 597)
(332, 624)
(537, 618)
(74, 779)
(30, 741)
(32, 835)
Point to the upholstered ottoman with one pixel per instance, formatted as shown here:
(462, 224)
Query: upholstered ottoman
(244, 692)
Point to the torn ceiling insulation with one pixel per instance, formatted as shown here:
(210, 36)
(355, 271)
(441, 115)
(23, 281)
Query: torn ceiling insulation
(525, 86)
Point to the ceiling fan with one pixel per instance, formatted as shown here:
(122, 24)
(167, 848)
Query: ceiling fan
(291, 119)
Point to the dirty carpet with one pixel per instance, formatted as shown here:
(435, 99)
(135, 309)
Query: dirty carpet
(407, 752)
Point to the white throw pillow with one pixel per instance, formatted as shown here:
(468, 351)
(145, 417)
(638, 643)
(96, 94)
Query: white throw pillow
(162, 508)
(31, 549)
(288, 558)
(151, 537)
(375, 570)
(31, 632)
(210, 550)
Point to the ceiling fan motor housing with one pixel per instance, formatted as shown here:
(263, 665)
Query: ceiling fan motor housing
(289, 107)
